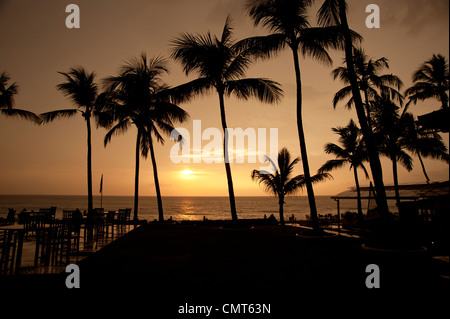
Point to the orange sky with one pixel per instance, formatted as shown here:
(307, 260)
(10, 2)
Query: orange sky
(51, 159)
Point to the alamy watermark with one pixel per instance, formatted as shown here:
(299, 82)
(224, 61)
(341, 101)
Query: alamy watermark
(73, 19)
(213, 152)
(373, 20)
(373, 279)
(73, 279)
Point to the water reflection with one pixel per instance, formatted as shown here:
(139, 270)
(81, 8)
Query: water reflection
(188, 211)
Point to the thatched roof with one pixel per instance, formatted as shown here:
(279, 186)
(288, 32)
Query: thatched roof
(407, 192)
(438, 120)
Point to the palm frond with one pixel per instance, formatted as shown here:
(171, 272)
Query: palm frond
(18, 113)
(391, 80)
(363, 167)
(279, 16)
(336, 150)
(227, 32)
(330, 37)
(309, 46)
(195, 52)
(106, 110)
(165, 127)
(145, 139)
(79, 86)
(431, 80)
(320, 177)
(280, 182)
(238, 66)
(145, 66)
(422, 91)
(343, 94)
(118, 129)
(170, 112)
(405, 160)
(298, 182)
(294, 185)
(328, 14)
(188, 91)
(432, 147)
(332, 165)
(264, 47)
(351, 150)
(265, 90)
(7, 93)
(341, 73)
(267, 180)
(53, 115)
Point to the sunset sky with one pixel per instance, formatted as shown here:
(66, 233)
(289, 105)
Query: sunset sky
(51, 159)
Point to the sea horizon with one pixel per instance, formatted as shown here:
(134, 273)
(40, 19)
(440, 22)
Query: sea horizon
(182, 207)
(140, 196)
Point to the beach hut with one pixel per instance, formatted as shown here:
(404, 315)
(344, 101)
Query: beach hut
(422, 205)
(437, 120)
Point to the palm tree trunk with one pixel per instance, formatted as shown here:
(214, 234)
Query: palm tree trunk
(423, 167)
(358, 194)
(395, 174)
(90, 229)
(136, 175)
(369, 117)
(374, 158)
(89, 163)
(226, 158)
(303, 151)
(155, 175)
(282, 223)
(443, 97)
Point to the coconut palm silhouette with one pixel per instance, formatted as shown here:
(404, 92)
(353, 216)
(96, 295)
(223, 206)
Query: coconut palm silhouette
(334, 12)
(220, 64)
(139, 97)
(351, 151)
(371, 83)
(7, 101)
(280, 182)
(289, 26)
(81, 88)
(431, 80)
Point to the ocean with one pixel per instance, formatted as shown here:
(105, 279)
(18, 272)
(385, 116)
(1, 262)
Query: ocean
(181, 208)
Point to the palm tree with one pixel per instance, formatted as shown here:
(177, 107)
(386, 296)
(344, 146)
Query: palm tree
(391, 128)
(288, 23)
(7, 101)
(221, 64)
(369, 81)
(138, 96)
(83, 91)
(424, 143)
(280, 183)
(431, 80)
(352, 151)
(334, 12)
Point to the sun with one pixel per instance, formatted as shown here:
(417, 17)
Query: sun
(187, 172)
